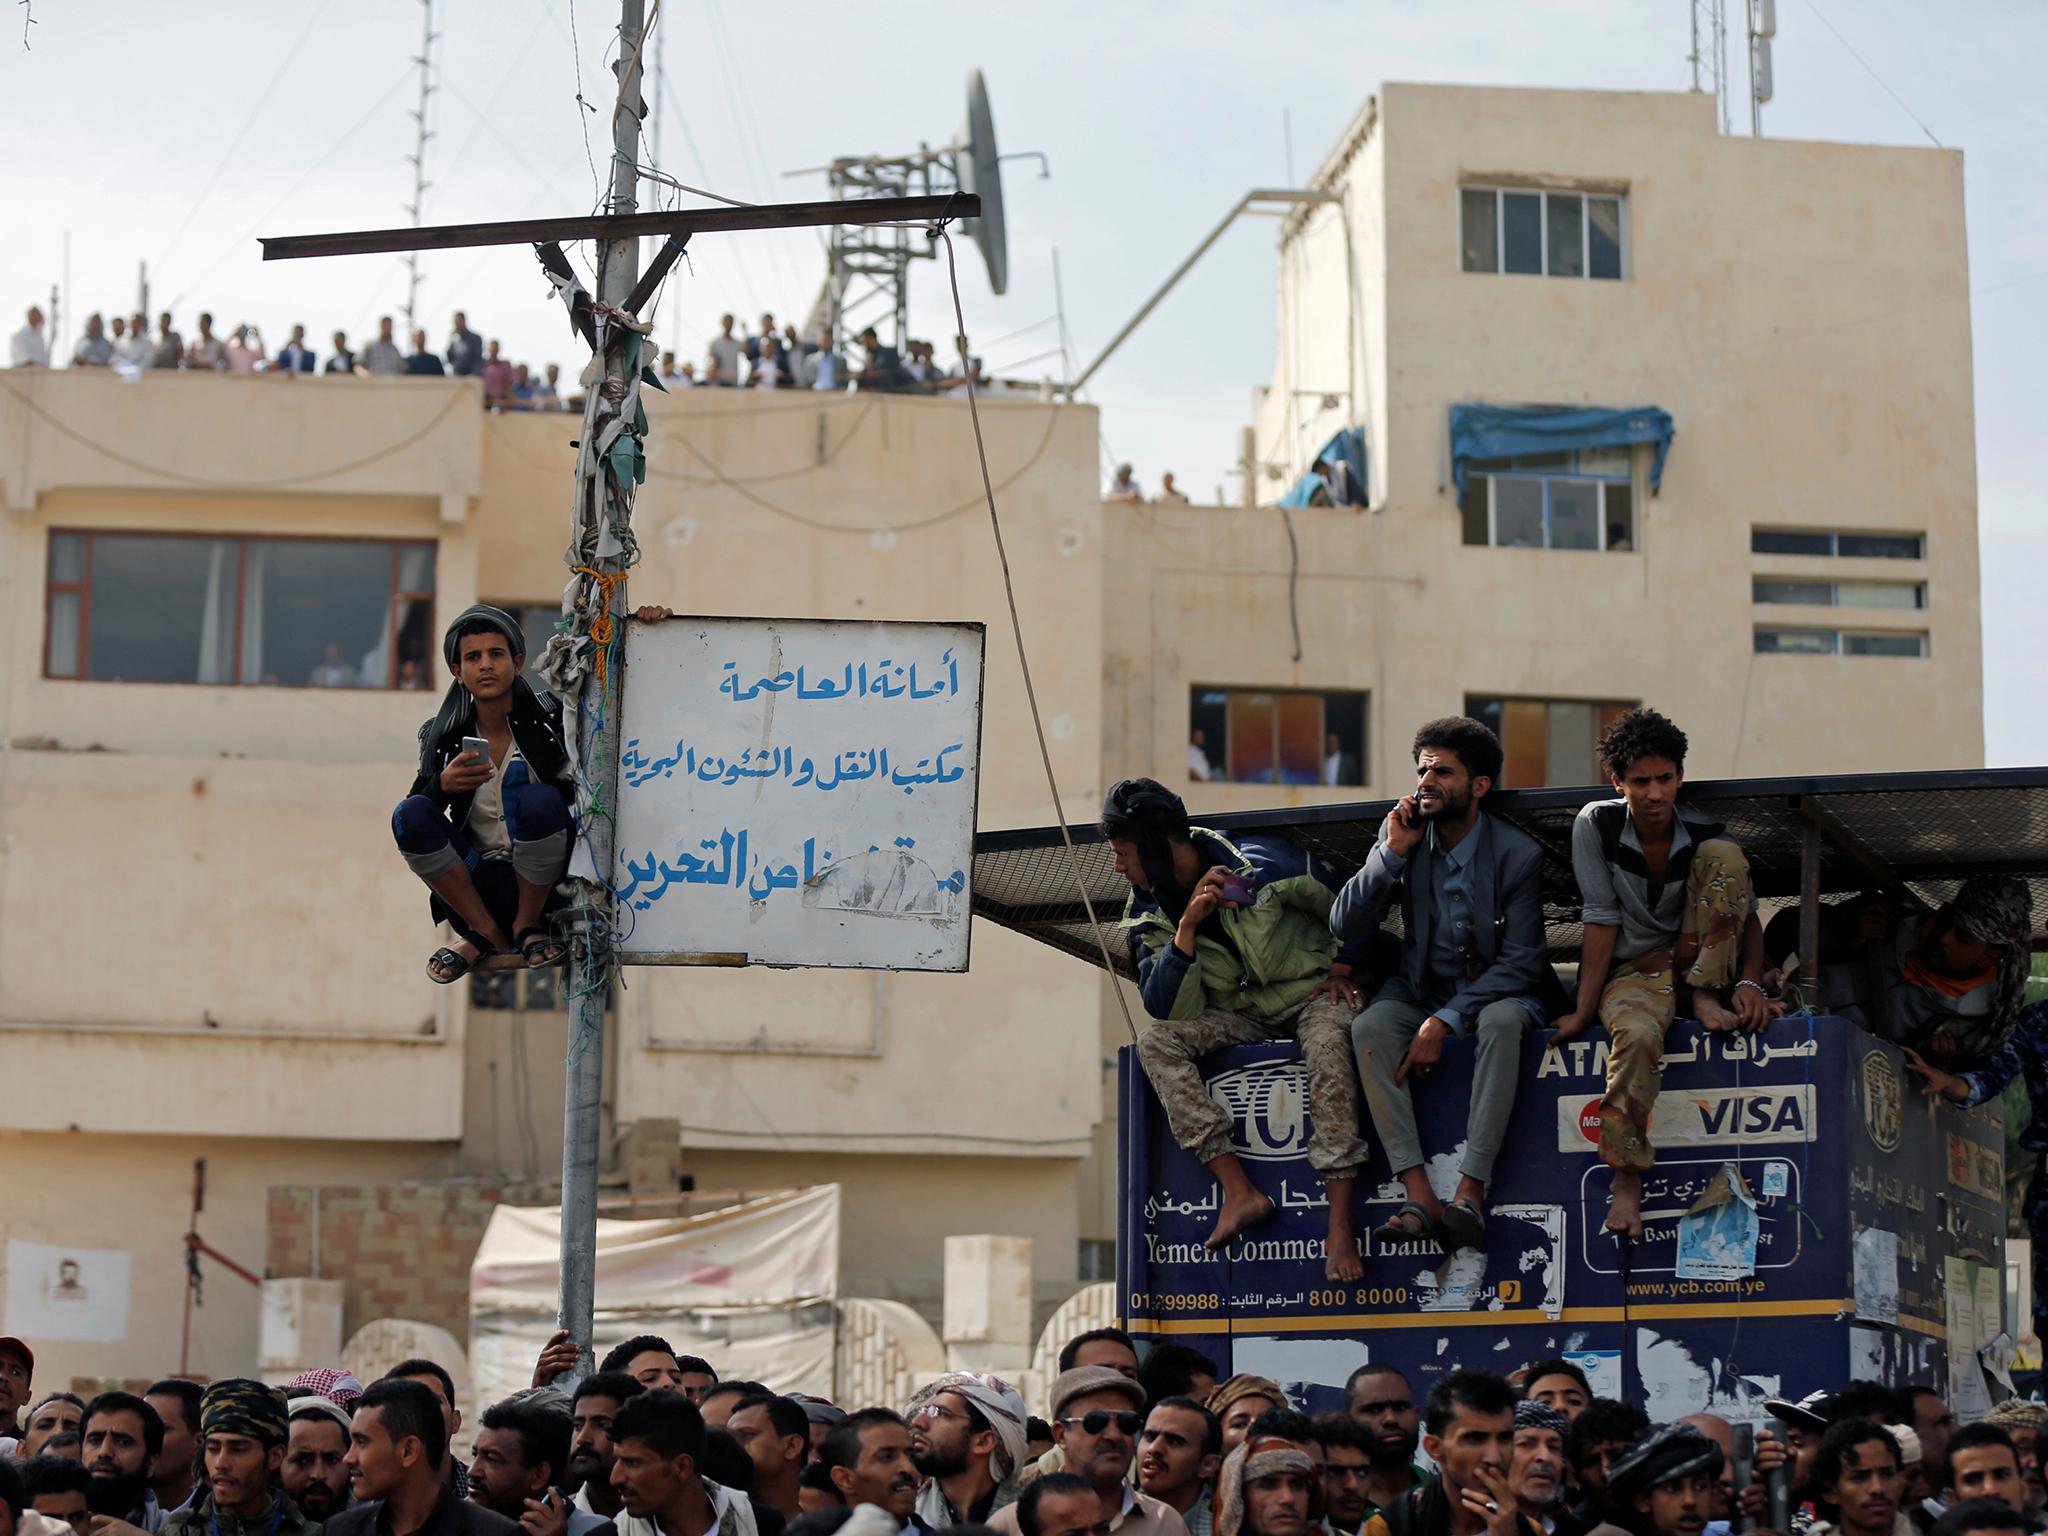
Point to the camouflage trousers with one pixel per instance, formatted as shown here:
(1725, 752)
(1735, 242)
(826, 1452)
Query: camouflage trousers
(1641, 997)
(1169, 1049)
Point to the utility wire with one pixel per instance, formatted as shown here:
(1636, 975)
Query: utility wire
(347, 137)
(1017, 631)
(277, 78)
(1895, 96)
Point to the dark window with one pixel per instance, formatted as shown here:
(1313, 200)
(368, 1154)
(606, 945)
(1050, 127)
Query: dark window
(1097, 1259)
(156, 608)
(1838, 594)
(1603, 236)
(1521, 222)
(1564, 223)
(1884, 644)
(538, 620)
(1826, 541)
(1276, 736)
(1879, 546)
(1546, 741)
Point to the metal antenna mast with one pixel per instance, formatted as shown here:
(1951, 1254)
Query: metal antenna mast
(418, 157)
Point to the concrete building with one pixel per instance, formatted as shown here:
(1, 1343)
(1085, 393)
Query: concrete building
(217, 587)
(1803, 580)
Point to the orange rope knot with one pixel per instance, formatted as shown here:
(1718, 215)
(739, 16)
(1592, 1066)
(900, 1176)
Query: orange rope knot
(601, 622)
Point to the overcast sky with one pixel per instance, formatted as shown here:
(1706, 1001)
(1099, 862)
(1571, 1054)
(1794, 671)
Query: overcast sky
(176, 133)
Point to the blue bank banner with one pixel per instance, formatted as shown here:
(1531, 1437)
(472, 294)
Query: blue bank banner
(1803, 1213)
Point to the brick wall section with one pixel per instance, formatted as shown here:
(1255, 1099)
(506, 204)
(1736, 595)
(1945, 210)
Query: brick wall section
(401, 1250)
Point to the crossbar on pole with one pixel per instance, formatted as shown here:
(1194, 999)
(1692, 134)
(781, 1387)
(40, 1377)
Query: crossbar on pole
(625, 226)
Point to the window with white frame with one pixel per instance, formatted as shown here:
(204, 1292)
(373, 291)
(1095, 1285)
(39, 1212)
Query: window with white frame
(1787, 641)
(1838, 594)
(1542, 233)
(1579, 499)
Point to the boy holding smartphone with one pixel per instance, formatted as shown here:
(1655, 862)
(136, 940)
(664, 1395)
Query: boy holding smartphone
(1233, 945)
(486, 824)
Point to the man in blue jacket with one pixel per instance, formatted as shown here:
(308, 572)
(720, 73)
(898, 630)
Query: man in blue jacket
(1472, 963)
(1233, 945)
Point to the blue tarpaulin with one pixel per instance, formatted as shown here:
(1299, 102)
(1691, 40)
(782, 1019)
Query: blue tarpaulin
(1503, 432)
(1346, 448)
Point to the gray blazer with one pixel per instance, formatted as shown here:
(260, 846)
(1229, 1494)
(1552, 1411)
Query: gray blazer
(1506, 880)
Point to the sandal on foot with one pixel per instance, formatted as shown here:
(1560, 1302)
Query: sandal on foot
(1398, 1228)
(447, 966)
(1462, 1225)
(539, 948)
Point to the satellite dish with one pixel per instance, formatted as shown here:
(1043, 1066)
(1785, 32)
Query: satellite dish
(979, 171)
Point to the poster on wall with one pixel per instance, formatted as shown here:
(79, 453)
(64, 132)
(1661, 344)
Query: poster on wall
(65, 1294)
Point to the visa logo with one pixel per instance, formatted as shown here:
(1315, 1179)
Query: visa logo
(1696, 1117)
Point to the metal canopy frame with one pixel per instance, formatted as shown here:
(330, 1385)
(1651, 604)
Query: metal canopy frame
(1910, 836)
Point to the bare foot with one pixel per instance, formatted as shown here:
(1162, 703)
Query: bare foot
(1342, 1260)
(1714, 1018)
(1625, 1206)
(1239, 1213)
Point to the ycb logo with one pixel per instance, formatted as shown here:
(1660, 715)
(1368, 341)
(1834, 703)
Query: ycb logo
(1269, 1106)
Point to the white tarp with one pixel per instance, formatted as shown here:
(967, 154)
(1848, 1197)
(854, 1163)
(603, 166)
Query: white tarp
(798, 792)
(752, 1287)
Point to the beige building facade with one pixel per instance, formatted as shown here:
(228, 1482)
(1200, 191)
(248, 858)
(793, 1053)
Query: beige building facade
(208, 945)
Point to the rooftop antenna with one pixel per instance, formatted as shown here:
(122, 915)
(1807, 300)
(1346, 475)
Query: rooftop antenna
(1763, 26)
(418, 158)
(869, 265)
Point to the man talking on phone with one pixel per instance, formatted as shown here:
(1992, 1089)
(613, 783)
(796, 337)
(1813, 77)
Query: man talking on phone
(486, 824)
(1472, 963)
(1233, 945)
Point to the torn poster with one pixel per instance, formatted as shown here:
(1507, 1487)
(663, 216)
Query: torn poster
(1717, 1237)
(1877, 1275)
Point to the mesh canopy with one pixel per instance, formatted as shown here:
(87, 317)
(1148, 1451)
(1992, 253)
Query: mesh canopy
(1927, 831)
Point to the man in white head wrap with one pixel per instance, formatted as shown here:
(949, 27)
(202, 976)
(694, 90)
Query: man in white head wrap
(967, 1437)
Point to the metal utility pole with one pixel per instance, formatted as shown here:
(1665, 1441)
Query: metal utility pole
(590, 933)
(418, 157)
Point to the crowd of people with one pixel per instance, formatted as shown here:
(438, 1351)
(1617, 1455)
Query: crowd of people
(1247, 938)
(657, 1443)
(769, 358)
(128, 347)
(782, 357)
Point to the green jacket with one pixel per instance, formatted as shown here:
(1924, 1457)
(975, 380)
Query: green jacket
(196, 1519)
(1272, 952)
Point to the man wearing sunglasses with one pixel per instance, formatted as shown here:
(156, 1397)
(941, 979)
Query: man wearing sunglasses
(1096, 1415)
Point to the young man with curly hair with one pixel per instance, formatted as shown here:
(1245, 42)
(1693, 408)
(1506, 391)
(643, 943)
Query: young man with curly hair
(1670, 927)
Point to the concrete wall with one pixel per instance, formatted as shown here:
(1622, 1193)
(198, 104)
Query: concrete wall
(133, 1192)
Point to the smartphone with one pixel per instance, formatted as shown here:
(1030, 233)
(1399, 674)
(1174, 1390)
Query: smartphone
(480, 749)
(1240, 889)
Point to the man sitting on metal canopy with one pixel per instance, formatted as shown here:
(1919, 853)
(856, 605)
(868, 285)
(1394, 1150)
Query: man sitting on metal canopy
(1233, 945)
(1472, 963)
(1670, 926)
(1948, 984)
